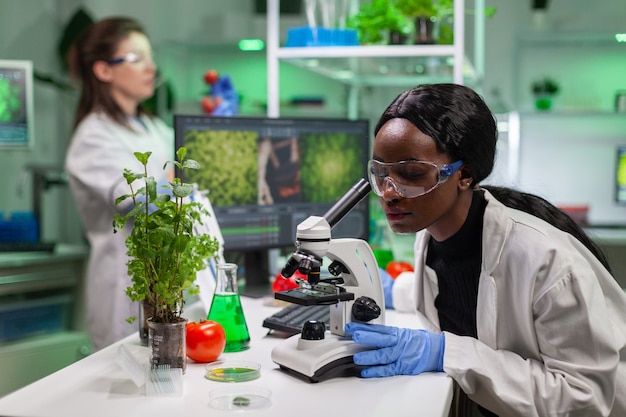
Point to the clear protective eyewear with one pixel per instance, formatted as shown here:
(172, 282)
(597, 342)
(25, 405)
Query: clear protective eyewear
(409, 179)
(131, 58)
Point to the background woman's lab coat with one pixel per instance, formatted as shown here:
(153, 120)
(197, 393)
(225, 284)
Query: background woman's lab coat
(100, 150)
(550, 320)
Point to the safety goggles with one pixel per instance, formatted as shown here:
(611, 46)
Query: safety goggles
(409, 179)
(131, 58)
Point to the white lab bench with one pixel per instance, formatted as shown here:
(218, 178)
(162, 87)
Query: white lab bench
(97, 386)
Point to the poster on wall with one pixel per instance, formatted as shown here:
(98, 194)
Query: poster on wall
(16, 103)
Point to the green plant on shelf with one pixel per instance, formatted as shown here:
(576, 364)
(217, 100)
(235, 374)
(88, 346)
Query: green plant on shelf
(544, 90)
(545, 87)
(375, 21)
(415, 8)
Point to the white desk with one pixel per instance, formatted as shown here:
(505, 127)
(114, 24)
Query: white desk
(97, 386)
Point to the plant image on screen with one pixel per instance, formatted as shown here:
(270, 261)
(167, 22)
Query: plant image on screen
(331, 163)
(620, 175)
(621, 170)
(229, 165)
(10, 109)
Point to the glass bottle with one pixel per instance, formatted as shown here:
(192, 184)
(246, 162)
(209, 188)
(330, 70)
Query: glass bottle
(226, 309)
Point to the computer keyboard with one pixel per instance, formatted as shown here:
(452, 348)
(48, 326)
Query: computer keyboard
(291, 318)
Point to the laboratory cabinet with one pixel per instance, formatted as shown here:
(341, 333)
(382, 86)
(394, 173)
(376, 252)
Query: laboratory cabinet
(42, 325)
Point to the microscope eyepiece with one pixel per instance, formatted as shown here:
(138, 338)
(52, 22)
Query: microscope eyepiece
(346, 203)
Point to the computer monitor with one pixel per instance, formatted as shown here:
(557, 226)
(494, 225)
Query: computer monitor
(267, 175)
(620, 175)
(16, 103)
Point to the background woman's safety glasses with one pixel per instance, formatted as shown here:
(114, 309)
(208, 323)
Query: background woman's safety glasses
(409, 179)
(131, 58)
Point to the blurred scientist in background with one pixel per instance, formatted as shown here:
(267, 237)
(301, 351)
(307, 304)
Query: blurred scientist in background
(113, 62)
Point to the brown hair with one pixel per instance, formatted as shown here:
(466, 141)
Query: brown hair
(98, 43)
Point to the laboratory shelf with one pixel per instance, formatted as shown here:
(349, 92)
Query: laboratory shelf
(378, 65)
(366, 51)
(572, 38)
(381, 71)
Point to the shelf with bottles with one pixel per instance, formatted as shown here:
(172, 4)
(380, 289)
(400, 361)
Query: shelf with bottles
(588, 72)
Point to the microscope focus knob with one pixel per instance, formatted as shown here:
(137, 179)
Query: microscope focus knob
(313, 330)
(365, 309)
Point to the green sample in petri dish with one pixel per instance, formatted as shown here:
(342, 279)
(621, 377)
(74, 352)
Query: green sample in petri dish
(233, 371)
(240, 397)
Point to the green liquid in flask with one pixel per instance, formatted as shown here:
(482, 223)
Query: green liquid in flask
(226, 310)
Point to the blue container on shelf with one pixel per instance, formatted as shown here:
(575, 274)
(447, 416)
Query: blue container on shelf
(21, 227)
(320, 36)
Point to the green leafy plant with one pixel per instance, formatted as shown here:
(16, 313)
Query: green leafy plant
(545, 87)
(376, 19)
(446, 8)
(415, 8)
(165, 253)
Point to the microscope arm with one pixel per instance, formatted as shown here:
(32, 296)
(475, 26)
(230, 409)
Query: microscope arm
(361, 277)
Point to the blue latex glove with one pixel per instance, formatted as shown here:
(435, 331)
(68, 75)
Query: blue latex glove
(400, 351)
(387, 287)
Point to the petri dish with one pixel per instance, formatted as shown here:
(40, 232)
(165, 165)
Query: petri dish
(233, 371)
(240, 398)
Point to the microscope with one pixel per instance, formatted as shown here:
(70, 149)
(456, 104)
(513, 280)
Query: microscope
(354, 292)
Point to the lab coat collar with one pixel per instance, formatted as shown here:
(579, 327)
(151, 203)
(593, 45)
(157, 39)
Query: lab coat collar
(494, 235)
(496, 229)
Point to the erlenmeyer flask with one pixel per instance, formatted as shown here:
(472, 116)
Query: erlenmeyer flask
(226, 309)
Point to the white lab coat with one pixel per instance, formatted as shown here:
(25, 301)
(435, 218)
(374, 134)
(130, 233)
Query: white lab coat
(551, 322)
(100, 150)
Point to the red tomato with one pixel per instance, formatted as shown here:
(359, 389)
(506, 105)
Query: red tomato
(206, 340)
(395, 268)
(284, 284)
(211, 77)
(207, 104)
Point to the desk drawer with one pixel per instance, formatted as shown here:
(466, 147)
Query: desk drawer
(30, 359)
(29, 315)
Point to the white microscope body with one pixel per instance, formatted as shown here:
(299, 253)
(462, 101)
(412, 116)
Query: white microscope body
(355, 294)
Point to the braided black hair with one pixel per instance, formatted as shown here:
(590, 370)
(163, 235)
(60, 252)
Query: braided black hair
(543, 209)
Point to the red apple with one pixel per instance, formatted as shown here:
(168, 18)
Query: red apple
(211, 77)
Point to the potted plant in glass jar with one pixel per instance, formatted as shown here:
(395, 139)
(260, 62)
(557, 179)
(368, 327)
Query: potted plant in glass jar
(164, 253)
(544, 90)
(422, 13)
(378, 22)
